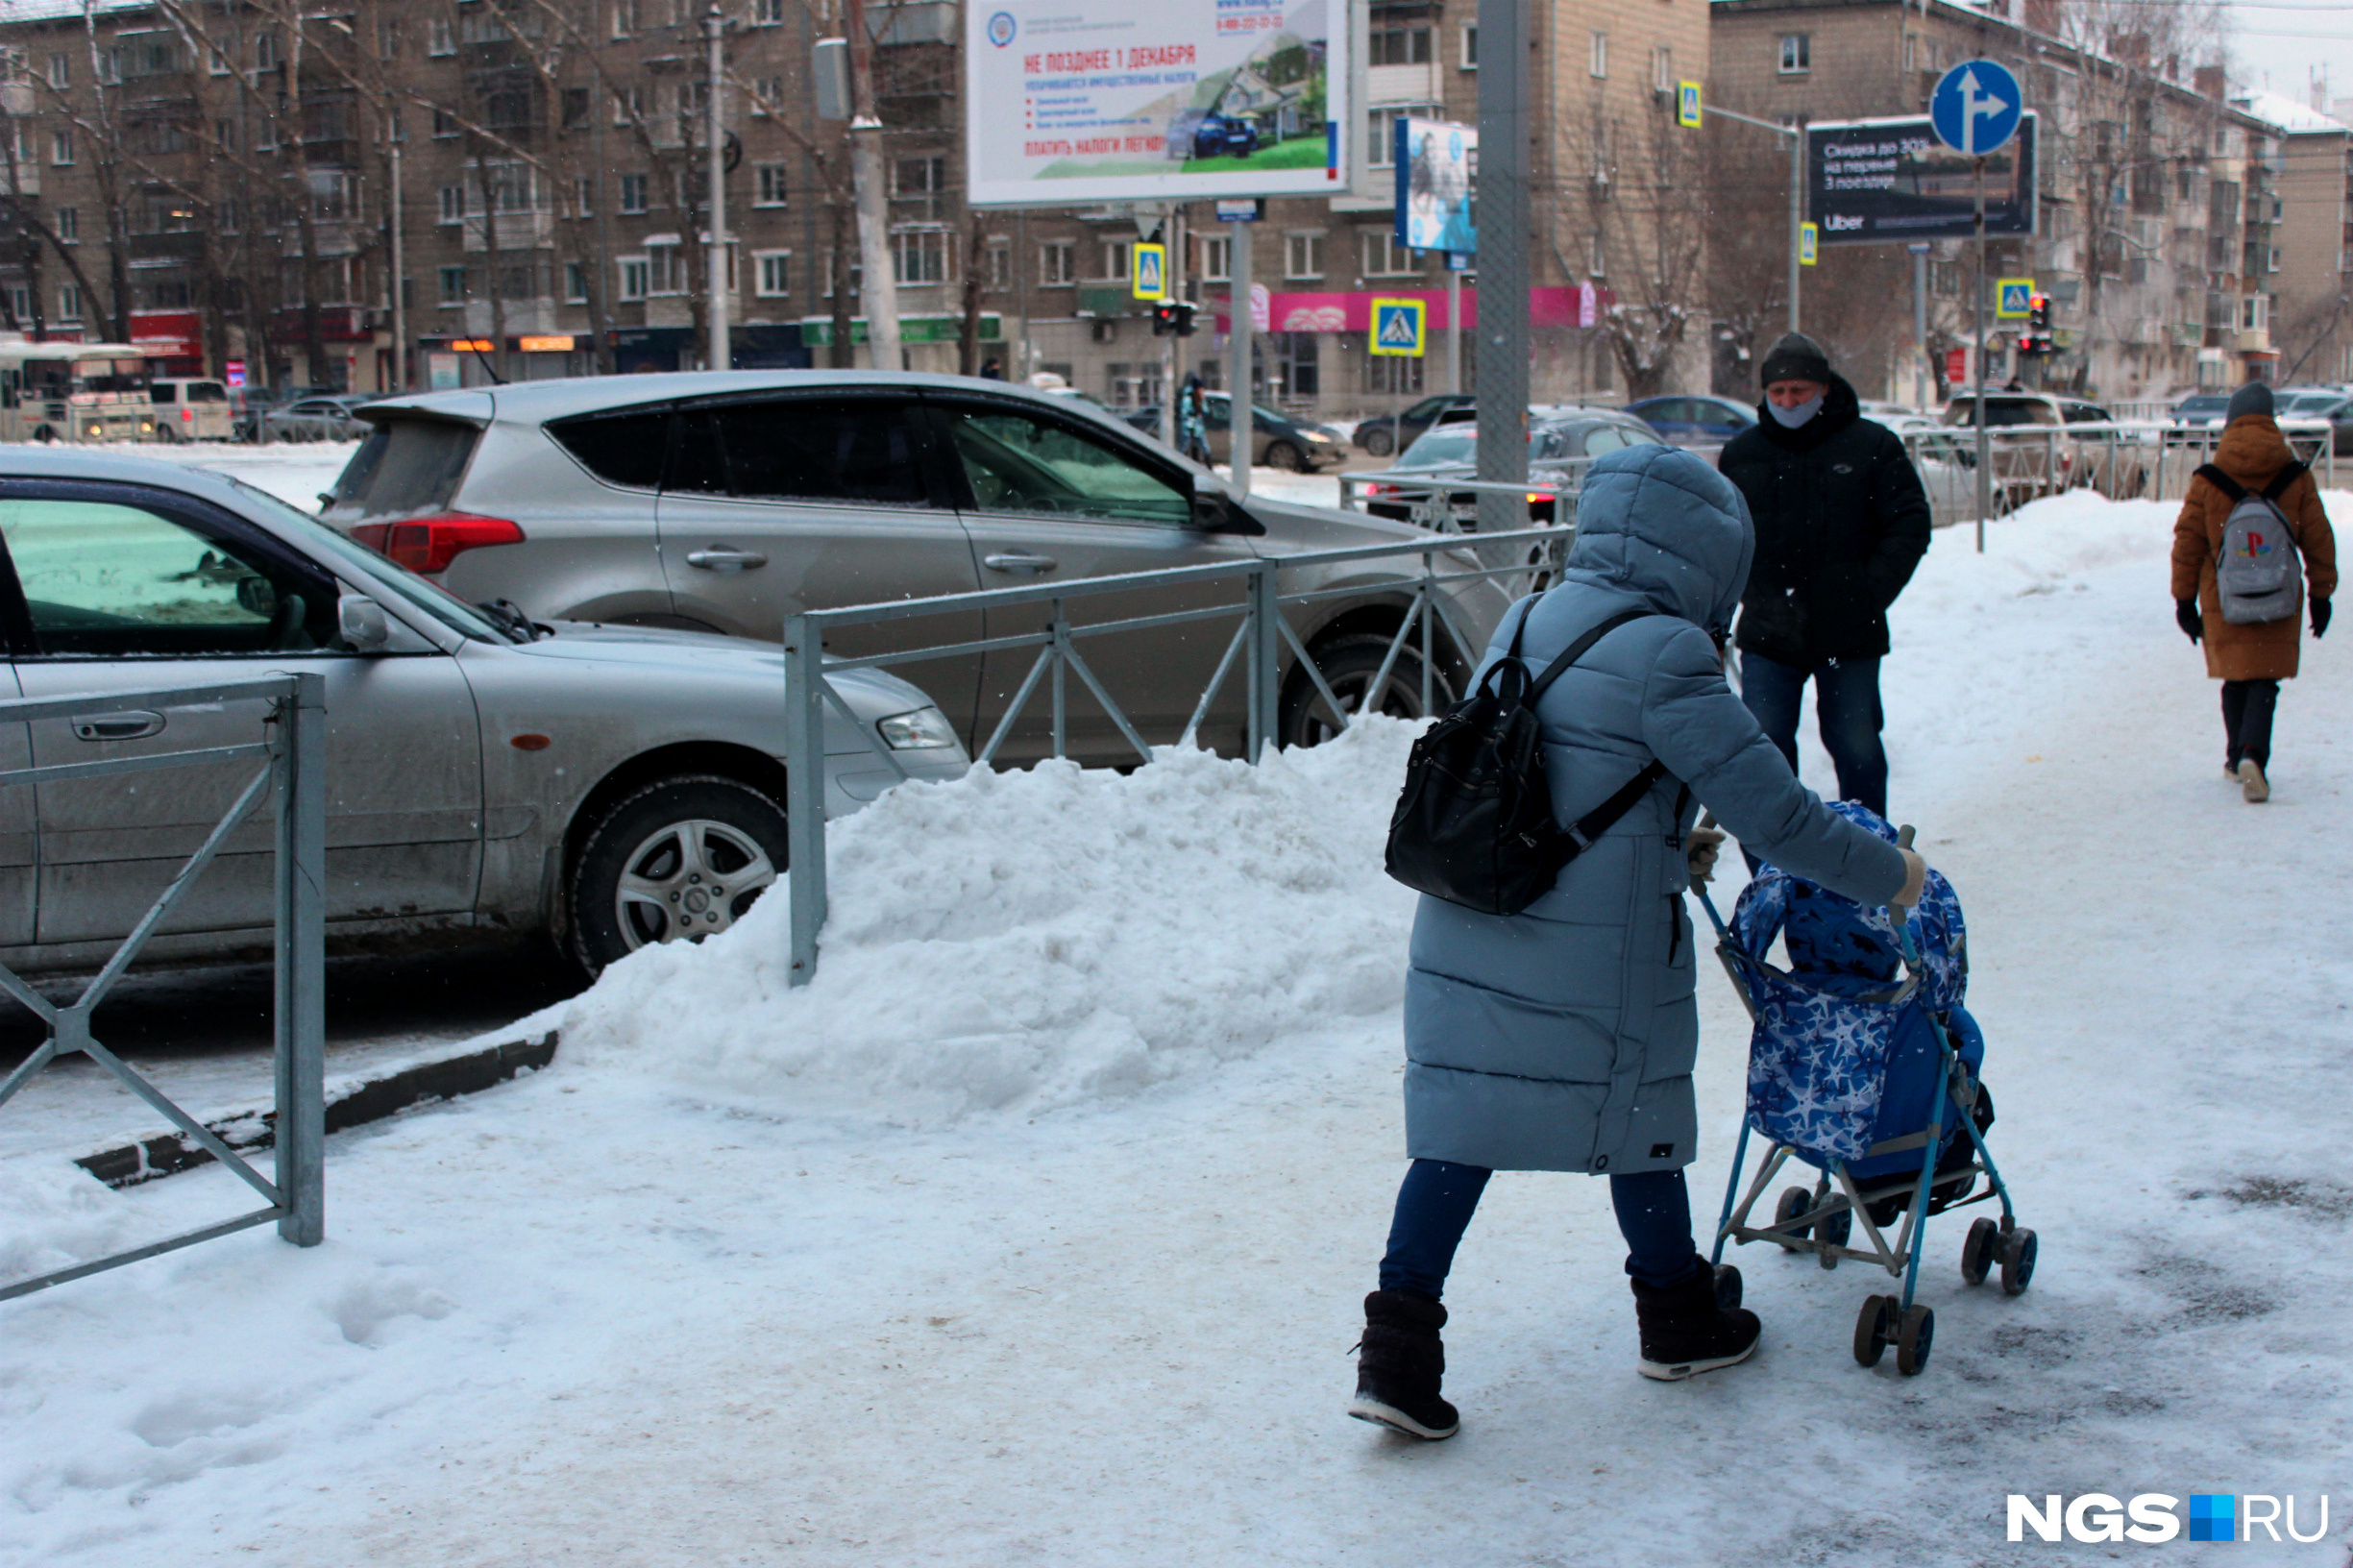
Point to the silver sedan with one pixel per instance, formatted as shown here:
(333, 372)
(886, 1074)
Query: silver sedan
(489, 777)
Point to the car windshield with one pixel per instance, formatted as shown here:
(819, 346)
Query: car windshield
(335, 551)
(1445, 444)
(2314, 403)
(1998, 412)
(2206, 405)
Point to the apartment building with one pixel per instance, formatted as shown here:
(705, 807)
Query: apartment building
(2313, 322)
(2160, 206)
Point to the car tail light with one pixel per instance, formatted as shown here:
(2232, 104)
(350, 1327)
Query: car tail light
(1380, 489)
(427, 545)
(186, 414)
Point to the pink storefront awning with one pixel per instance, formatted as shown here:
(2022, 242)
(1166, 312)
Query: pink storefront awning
(1571, 304)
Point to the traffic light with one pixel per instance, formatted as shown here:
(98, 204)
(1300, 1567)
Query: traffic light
(1173, 318)
(2037, 338)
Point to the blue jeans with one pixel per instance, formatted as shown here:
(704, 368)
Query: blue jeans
(1436, 1202)
(1847, 704)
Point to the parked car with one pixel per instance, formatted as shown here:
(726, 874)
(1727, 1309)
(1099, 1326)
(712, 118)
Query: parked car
(1281, 441)
(1384, 434)
(1560, 449)
(2201, 411)
(728, 501)
(1693, 421)
(489, 777)
(316, 419)
(191, 410)
(2045, 442)
(2307, 404)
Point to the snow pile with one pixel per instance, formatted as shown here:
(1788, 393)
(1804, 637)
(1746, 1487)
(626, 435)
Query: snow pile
(1037, 938)
(52, 1216)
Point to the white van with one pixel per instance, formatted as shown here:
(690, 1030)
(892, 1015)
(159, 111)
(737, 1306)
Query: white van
(192, 410)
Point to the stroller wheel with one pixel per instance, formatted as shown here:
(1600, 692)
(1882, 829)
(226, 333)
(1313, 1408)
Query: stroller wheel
(1912, 1343)
(1727, 1286)
(1979, 1252)
(1870, 1329)
(1833, 1230)
(1793, 1202)
(2017, 1253)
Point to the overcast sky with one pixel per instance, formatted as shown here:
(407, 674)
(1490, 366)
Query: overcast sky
(2280, 43)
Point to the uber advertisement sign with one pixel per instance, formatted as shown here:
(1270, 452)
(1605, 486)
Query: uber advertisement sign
(1875, 182)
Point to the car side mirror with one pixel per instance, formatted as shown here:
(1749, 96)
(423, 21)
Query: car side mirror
(1215, 511)
(361, 623)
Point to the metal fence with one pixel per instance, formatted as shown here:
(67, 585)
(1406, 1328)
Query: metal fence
(293, 757)
(1518, 560)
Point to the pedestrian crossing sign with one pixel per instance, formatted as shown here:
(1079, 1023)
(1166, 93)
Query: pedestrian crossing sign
(2014, 298)
(1809, 244)
(1399, 326)
(1151, 271)
(1687, 105)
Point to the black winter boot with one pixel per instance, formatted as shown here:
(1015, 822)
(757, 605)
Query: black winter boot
(1401, 1365)
(1684, 1332)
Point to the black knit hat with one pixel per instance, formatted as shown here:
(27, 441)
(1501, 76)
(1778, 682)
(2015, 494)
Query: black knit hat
(1796, 358)
(2254, 398)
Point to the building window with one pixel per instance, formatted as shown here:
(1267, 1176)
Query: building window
(69, 302)
(1118, 257)
(918, 185)
(1400, 39)
(225, 135)
(388, 40)
(857, 274)
(629, 105)
(766, 12)
(453, 285)
(445, 124)
(1216, 259)
(1295, 364)
(665, 270)
(772, 277)
(1797, 53)
(1597, 58)
(576, 282)
(1303, 256)
(584, 195)
(920, 255)
(61, 76)
(1662, 70)
(452, 204)
(625, 18)
(771, 186)
(68, 221)
(62, 147)
(633, 192)
(2254, 311)
(1382, 256)
(633, 277)
(1056, 263)
(996, 264)
(1381, 146)
(439, 38)
(1470, 47)
(20, 300)
(767, 93)
(334, 195)
(1393, 374)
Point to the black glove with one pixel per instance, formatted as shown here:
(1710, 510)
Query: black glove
(2193, 624)
(2319, 618)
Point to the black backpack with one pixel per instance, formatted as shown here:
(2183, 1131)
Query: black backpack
(1474, 825)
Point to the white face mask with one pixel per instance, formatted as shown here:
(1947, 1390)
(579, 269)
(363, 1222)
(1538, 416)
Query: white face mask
(1792, 417)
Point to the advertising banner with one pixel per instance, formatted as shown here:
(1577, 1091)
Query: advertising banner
(1878, 182)
(1437, 163)
(1153, 100)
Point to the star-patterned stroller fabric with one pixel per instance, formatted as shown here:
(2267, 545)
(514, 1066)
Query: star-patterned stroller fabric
(1841, 1056)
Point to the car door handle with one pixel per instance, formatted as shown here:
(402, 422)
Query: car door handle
(725, 559)
(136, 725)
(1026, 565)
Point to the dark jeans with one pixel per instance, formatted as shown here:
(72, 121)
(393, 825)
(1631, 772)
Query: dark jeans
(2247, 706)
(1435, 1205)
(1847, 704)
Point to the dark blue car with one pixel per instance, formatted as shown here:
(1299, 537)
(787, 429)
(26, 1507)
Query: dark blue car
(1208, 134)
(1692, 421)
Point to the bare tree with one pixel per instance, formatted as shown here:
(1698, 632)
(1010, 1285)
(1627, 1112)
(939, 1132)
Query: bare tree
(1636, 181)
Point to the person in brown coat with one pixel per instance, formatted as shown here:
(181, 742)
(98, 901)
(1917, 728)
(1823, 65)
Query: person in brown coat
(2250, 659)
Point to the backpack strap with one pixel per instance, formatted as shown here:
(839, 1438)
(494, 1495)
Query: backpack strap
(2223, 482)
(2285, 477)
(1578, 835)
(1576, 651)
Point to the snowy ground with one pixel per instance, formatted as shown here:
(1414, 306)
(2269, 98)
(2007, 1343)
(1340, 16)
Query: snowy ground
(1035, 1231)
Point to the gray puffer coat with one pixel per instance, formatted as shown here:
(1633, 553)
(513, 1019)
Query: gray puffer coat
(1562, 1038)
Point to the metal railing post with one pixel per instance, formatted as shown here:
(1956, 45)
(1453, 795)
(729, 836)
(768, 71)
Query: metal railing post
(300, 1004)
(805, 792)
(1430, 613)
(1060, 630)
(1266, 659)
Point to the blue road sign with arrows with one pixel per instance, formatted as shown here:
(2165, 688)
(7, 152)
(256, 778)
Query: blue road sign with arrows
(1976, 106)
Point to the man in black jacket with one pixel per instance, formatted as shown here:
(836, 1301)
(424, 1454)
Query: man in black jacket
(1841, 521)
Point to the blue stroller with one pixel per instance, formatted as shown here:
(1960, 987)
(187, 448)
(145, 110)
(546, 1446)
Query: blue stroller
(1864, 1065)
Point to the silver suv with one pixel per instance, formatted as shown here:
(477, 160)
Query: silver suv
(727, 500)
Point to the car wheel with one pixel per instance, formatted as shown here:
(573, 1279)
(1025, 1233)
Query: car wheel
(1349, 665)
(675, 860)
(1379, 443)
(1283, 456)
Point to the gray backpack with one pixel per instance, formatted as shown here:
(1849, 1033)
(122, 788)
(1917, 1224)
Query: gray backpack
(2257, 573)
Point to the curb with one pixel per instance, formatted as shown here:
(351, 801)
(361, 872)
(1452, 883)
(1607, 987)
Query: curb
(348, 1105)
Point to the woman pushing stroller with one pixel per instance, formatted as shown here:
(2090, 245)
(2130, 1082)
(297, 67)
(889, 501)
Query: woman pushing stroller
(1564, 1037)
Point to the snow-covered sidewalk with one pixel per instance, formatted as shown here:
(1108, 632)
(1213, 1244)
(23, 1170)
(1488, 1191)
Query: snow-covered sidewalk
(1035, 1230)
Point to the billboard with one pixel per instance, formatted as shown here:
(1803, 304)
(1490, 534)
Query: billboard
(1153, 100)
(1437, 163)
(1878, 182)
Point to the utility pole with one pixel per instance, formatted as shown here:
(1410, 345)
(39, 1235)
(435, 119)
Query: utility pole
(715, 272)
(878, 290)
(1920, 324)
(1985, 469)
(1796, 191)
(399, 280)
(1501, 357)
